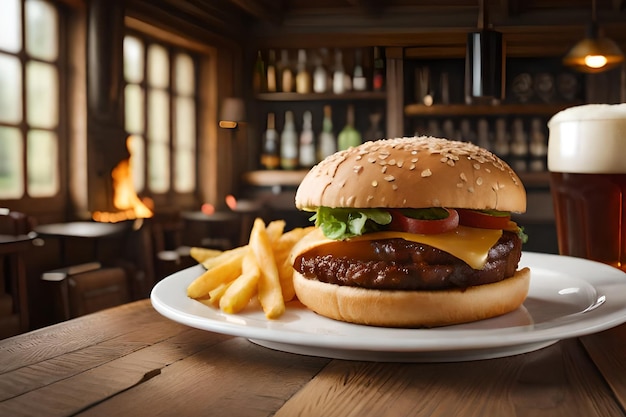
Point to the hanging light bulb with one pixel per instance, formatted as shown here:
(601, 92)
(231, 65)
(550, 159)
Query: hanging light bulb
(594, 53)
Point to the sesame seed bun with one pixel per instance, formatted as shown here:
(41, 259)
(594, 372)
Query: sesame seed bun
(413, 173)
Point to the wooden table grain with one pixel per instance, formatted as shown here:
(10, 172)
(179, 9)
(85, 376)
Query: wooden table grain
(131, 361)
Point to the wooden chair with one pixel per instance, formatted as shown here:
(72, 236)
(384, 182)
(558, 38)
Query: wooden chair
(15, 238)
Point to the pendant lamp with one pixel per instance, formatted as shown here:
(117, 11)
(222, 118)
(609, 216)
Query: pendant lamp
(594, 53)
(485, 62)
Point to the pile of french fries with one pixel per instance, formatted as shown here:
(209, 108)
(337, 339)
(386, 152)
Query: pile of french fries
(261, 268)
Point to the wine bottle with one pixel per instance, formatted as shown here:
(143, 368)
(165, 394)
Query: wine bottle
(378, 79)
(303, 77)
(349, 136)
(259, 80)
(271, 71)
(320, 75)
(270, 155)
(307, 143)
(359, 82)
(338, 74)
(286, 73)
(289, 143)
(327, 141)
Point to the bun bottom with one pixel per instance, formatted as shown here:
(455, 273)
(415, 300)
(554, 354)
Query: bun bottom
(413, 308)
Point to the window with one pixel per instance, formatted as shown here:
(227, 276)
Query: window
(160, 115)
(30, 110)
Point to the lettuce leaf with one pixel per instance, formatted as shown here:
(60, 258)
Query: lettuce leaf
(343, 223)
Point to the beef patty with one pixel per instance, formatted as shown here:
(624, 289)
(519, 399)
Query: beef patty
(398, 264)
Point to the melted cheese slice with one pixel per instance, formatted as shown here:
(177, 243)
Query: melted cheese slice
(466, 243)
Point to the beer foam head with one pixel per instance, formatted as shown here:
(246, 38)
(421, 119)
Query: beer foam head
(588, 139)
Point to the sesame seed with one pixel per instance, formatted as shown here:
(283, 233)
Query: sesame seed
(450, 162)
(426, 173)
(476, 166)
(358, 169)
(389, 178)
(470, 189)
(479, 181)
(463, 176)
(394, 187)
(374, 183)
(412, 167)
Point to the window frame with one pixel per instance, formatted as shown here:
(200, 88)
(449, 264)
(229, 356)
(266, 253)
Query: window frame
(171, 199)
(56, 203)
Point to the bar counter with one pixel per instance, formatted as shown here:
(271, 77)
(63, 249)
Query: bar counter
(131, 361)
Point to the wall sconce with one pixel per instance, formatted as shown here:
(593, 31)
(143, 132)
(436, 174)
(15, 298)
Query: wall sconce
(485, 62)
(594, 53)
(233, 112)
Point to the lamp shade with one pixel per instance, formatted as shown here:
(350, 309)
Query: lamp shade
(233, 112)
(484, 66)
(594, 54)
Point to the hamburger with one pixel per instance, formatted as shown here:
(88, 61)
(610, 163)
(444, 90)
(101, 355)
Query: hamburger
(411, 232)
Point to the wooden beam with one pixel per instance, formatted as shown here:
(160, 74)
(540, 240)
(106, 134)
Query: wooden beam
(261, 11)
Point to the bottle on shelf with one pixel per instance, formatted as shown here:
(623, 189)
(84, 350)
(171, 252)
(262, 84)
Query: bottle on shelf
(349, 136)
(259, 81)
(339, 81)
(483, 134)
(538, 147)
(327, 143)
(286, 73)
(320, 75)
(378, 78)
(270, 154)
(359, 81)
(467, 134)
(303, 77)
(374, 132)
(307, 143)
(501, 146)
(289, 143)
(271, 72)
(519, 147)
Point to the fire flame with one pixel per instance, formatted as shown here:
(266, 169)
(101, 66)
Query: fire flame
(125, 198)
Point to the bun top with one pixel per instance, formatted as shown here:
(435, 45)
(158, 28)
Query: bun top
(415, 172)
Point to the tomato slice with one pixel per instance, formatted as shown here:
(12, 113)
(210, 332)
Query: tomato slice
(410, 221)
(484, 219)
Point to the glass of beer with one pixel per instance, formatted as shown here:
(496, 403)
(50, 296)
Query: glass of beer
(587, 164)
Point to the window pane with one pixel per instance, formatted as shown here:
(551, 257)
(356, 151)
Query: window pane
(159, 172)
(10, 89)
(133, 59)
(158, 116)
(11, 26)
(42, 86)
(184, 145)
(42, 163)
(184, 171)
(184, 75)
(41, 30)
(137, 149)
(11, 168)
(158, 67)
(133, 107)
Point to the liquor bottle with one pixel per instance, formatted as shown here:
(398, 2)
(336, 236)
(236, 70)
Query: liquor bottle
(359, 82)
(519, 147)
(338, 74)
(483, 134)
(259, 81)
(320, 75)
(538, 147)
(271, 71)
(270, 155)
(286, 73)
(307, 143)
(303, 77)
(289, 143)
(349, 136)
(501, 146)
(378, 79)
(327, 141)
(374, 132)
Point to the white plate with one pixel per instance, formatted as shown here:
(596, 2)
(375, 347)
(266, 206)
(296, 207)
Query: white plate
(568, 297)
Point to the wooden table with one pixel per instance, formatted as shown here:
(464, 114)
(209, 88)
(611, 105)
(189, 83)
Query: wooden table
(131, 361)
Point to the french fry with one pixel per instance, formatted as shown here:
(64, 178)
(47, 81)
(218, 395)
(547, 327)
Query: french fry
(216, 294)
(270, 293)
(225, 256)
(275, 230)
(282, 252)
(242, 289)
(202, 254)
(221, 273)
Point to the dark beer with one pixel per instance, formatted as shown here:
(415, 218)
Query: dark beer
(587, 161)
(590, 212)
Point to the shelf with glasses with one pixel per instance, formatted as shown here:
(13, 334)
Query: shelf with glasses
(349, 95)
(420, 110)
